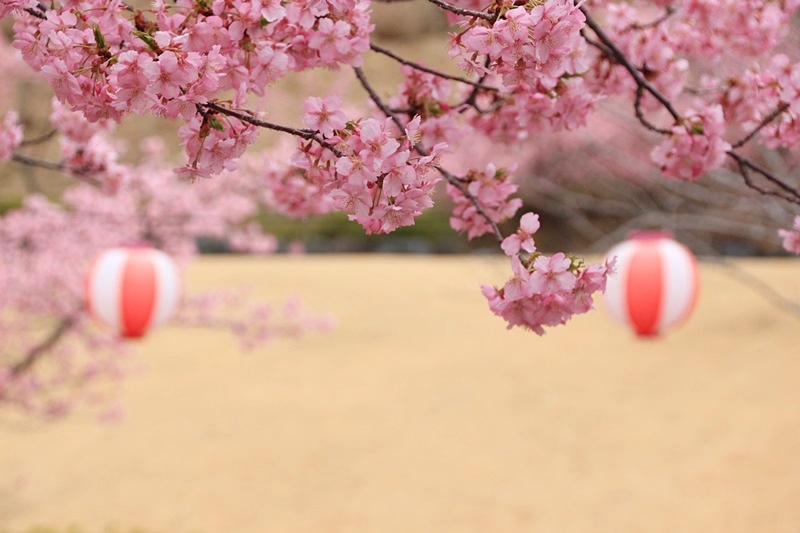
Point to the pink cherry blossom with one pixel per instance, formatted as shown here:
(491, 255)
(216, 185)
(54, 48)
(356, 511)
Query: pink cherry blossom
(325, 114)
(791, 238)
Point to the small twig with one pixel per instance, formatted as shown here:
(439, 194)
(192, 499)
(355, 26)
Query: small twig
(40, 139)
(362, 78)
(41, 163)
(769, 118)
(645, 25)
(471, 100)
(417, 66)
(79, 173)
(251, 119)
(637, 107)
(461, 11)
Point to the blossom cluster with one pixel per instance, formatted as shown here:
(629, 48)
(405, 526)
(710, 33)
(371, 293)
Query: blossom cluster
(536, 55)
(492, 190)
(107, 59)
(694, 147)
(545, 290)
(368, 169)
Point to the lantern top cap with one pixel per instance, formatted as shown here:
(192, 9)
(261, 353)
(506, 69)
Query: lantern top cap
(650, 234)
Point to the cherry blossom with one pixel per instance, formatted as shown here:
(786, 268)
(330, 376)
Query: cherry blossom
(791, 238)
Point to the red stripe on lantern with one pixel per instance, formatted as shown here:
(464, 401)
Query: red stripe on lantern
(138, 293)
(644, 288)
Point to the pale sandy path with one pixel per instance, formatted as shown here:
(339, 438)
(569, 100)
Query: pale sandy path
(420, 413)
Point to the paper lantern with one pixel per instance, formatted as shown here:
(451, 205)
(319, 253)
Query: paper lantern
(132, 289)
(656, 284)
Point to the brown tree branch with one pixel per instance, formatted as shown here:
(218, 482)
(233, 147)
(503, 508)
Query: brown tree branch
(81, 173)
(769, 118)
(251, 119)
(613, 51)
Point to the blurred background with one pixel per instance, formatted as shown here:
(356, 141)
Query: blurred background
(419, 411)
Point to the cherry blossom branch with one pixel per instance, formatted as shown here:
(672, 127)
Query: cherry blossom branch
(379, 49)
(251, 119)
(452, 179)
(461, 11)
(80, 173)
(38, 14)
(745, 165)
(619, 56)
(637, 107)
(362, 78)
(769, 118)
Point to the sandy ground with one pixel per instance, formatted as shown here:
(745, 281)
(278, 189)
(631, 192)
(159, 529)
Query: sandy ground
(421, 413)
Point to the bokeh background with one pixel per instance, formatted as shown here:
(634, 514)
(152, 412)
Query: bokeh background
(419, 411)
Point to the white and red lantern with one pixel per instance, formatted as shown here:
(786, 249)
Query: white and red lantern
(132, 289)
(656, 283)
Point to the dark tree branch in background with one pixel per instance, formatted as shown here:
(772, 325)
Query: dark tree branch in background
(40, 163)
(451, 178)
(745, 166)
(80, 173)
(41, 349)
